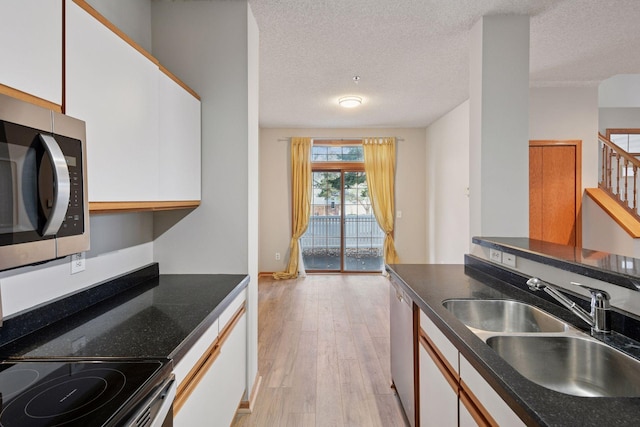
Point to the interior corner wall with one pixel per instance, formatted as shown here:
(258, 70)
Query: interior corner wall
(447, 157)
(206, 45)
(275, 190)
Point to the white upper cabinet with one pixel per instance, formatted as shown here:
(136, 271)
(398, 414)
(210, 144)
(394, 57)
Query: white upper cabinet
(180, 144)
(31, 45)
(113, 88)
(143, 128)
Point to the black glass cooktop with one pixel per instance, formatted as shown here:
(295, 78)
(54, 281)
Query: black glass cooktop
(73, 393)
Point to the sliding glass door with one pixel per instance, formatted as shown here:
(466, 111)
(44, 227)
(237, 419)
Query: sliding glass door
(343, 235)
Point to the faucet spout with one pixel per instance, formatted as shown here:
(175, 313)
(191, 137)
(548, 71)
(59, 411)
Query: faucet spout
(598, 319)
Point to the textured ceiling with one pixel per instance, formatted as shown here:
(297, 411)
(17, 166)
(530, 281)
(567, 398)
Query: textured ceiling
(412, 55)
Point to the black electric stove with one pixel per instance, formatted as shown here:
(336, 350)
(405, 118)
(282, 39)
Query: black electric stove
(76, 393)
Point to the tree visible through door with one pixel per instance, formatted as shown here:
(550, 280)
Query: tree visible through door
(343, 234)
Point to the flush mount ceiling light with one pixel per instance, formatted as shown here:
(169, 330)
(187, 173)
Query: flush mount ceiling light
(350, 101)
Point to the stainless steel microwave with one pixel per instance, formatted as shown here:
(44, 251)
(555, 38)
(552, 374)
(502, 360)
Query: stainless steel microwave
(44, 210)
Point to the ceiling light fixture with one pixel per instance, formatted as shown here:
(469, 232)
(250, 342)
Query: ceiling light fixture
(350, 101)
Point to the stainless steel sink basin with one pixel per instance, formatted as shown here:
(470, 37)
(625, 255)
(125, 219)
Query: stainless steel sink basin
(504, 316)
(571, 365)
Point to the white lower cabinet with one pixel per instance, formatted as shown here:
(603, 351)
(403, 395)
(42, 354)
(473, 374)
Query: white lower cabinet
(213, 387)
(452, 392)
(438, 399)
(485, 397)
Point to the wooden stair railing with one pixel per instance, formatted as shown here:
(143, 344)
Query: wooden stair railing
(619, 175)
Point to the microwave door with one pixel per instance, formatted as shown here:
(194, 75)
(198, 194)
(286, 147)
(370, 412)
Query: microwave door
(58, 203)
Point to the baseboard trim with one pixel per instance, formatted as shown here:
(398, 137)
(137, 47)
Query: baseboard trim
(246, 406)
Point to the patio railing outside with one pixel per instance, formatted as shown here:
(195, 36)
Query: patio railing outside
(363, 243)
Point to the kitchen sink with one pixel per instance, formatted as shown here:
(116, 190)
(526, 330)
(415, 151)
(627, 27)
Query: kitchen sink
(504, 316)
(571, 365)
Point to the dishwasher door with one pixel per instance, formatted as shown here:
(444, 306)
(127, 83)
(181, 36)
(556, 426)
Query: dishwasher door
(402, 349)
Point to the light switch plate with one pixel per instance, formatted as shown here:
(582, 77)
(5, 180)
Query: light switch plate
(509, 259)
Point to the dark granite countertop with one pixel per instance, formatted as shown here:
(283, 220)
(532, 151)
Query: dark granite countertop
(160, 317)
(429, 285)
(617, 269)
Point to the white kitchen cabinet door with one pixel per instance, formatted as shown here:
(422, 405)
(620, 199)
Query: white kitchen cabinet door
(179, 153)
(442, 343)
(114, 89)
(31, 46)
(438, 400)
(214, 401)
(487, 396)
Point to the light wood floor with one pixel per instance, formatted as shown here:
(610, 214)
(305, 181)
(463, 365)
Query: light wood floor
(323, 353)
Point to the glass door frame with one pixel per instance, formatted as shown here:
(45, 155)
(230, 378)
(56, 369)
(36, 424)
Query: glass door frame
(342, 168)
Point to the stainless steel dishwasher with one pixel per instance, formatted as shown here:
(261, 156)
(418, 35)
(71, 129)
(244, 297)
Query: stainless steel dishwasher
(402, 348)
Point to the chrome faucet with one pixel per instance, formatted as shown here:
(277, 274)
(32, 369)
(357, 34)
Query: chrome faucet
(598, 319)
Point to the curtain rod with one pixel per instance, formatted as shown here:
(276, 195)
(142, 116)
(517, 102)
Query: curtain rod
(328, 138)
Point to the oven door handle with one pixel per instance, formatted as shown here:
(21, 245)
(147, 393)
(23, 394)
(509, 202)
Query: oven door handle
(61, 187)
(167, 395)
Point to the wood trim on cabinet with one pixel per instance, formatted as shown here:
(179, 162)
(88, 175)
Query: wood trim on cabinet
(477, 411)
(115, 207)
(200, 369)
(178, 81)
(104, 21)
(445, 368)
(23, 96)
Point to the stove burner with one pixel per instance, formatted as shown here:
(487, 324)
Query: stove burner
(76, 393)
(15, 381)
(66, 398)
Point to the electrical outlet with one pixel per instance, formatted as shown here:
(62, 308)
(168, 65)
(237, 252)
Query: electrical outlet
(77, 263)
(495, 255)
(277, 256)
(509, 259)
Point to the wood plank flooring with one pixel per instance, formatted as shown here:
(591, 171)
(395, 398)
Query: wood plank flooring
(323, 353)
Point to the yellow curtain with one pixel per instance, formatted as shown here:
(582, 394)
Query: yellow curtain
(301, 201)
(380, 168)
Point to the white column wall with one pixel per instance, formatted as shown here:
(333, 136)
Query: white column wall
(499, 117)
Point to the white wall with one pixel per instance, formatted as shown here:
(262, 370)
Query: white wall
(618, 118)
(568, 113)
(607, 236)
(447, 187)
(275, 189)
(622, 90)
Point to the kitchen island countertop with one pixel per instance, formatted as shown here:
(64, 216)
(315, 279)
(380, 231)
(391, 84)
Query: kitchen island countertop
(158, 318)
(429, 285)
